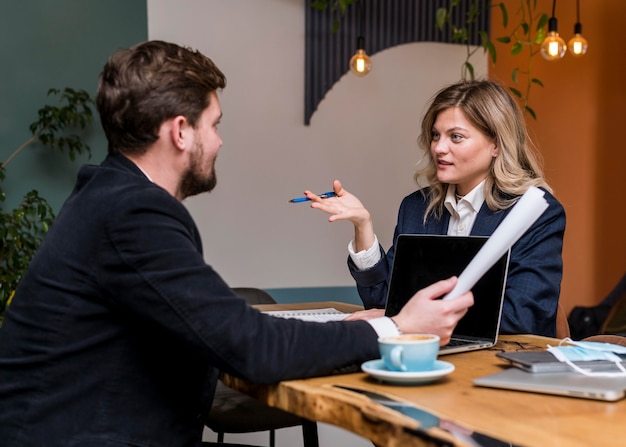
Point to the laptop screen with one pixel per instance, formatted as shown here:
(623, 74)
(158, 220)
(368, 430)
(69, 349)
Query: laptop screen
(421, 260)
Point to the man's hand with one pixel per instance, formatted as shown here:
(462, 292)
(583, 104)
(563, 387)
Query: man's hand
(365, 314)
(424, 313)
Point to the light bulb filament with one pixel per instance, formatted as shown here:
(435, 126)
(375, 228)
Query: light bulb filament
(554, 48)
(360, 65)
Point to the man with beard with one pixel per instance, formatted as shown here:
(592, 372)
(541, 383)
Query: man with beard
(118, 329)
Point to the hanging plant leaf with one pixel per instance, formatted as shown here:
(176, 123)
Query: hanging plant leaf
(505, 14)
(543, 21)
(470, 68)
(516, 48)
(441, 17)
(540, 36)
(488, 46)
(525, 28)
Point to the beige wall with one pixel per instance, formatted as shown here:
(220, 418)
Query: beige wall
(579, 127)
(364, 132)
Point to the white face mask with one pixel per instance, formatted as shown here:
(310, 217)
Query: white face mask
(584, 351)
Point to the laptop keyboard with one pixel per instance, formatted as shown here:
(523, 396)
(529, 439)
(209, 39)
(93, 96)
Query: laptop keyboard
(460, 342)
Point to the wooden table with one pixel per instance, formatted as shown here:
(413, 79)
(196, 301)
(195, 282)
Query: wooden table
(522, 418)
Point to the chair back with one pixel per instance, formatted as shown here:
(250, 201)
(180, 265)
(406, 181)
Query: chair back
(615, 322)
(234, 412)
(562, 326)
(253, 295)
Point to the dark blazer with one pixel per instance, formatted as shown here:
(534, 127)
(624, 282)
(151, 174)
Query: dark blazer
(118, 329)
(535, 268)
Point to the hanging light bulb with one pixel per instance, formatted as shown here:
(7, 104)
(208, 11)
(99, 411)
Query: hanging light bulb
(577, 45)
(360, 62)
(553, 46)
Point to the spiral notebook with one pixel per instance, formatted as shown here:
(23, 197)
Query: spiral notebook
(318, 315)
(421, 260)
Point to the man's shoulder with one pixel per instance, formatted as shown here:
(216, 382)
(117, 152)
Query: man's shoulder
(114, 191)
(118, 181)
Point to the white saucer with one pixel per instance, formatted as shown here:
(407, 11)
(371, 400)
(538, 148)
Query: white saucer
(377, 369)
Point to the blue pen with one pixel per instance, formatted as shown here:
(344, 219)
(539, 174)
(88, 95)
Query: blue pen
(324, 195)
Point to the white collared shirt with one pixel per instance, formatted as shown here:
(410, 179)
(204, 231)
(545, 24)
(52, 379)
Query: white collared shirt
(145, 173)
(384, 327)
(463, 213)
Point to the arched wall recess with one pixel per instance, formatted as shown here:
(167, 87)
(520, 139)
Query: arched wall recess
(384, 24)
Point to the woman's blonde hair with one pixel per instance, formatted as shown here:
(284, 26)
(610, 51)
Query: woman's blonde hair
(492, 110)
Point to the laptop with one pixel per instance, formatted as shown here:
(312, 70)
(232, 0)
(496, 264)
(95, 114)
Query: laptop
(545, 362)
(422, 259)
(570, 384)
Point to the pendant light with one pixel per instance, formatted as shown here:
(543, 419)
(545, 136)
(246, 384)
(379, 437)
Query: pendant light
(577, 45)
(360, 62)
(553, 46)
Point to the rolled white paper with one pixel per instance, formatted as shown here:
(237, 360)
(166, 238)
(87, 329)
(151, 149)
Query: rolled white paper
(525, 212)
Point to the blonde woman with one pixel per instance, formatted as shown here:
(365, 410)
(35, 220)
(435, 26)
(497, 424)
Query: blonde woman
(479, 161)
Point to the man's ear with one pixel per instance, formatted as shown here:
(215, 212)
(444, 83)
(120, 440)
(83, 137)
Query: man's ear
(181, 132)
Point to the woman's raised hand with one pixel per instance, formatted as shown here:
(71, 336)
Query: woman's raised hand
(346, 206)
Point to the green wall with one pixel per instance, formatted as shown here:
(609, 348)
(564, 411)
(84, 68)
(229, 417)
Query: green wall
(55, 44)
(64, 43)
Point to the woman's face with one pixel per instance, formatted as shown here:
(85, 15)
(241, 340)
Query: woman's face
(461, 152)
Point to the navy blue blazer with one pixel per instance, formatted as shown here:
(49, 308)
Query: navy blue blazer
(535, 268)
(118, 329)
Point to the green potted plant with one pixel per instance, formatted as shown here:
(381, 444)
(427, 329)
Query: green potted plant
(23, 228)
